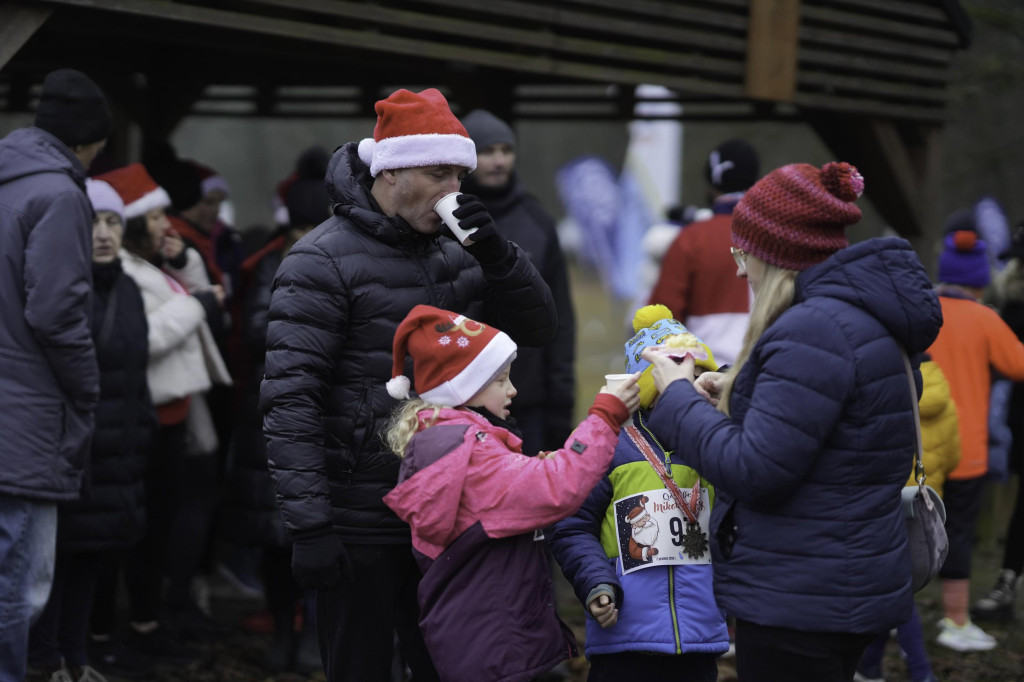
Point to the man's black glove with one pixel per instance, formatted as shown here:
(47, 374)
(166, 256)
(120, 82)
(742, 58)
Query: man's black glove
(319, 560)
(487, 245)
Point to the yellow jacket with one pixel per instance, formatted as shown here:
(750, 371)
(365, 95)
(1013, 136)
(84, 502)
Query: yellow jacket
(940, 433)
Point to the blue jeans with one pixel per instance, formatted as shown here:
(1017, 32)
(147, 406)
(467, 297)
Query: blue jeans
(28, 545)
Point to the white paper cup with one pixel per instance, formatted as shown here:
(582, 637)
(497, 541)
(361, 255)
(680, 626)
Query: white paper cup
(613, 380)
(444, 208)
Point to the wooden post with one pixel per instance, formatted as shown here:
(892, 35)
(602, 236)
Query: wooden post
(773, 42)
(18, 23)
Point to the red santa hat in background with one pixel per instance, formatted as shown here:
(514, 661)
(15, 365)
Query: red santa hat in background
(453, 356)
(414, 130)
(137, 189)
(209, 179)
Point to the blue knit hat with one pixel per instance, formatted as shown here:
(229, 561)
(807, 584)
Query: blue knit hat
(964, 260)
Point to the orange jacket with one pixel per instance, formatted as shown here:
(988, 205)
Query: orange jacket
(973, 341)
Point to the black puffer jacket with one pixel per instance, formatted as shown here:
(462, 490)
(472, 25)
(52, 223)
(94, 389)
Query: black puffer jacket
(338, 297)
(111, 512)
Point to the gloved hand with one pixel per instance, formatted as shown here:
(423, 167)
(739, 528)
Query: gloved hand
(319, 560)
(472, 213)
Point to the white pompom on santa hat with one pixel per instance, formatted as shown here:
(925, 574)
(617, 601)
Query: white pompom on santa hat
(416, 129)
(137, 189)
(453, 356)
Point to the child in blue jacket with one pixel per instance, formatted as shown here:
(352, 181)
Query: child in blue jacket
(637, 552)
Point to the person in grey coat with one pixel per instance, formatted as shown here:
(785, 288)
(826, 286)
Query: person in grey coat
(49, 386)
(337, 300)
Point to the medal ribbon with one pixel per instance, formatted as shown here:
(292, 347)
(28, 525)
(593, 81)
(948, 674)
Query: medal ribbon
(690, 510)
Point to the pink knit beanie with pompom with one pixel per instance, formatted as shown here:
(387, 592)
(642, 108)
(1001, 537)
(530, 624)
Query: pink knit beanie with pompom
(797, 215)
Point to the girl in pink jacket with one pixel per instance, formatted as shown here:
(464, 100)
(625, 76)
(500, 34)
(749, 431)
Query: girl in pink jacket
(477, 506)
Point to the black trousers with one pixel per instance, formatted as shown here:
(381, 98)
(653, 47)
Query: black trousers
(63, 625)
(769, 654)
(356, 624)
(636, 665)
(962, 499)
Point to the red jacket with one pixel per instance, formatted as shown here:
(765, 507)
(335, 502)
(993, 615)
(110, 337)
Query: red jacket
(699, 285)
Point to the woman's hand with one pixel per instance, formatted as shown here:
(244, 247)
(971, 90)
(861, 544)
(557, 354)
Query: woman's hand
(666, 370)
(172, 245)
(710, 385)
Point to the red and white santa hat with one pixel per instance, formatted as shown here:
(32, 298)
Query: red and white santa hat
(209, 179)
(137, 189)
(638, 516)
(453, 357)
(416, 129)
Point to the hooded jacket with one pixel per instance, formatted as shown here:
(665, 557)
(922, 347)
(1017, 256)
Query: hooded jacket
(50, 383)
(473, 501)
(338, 298)
(807, 529)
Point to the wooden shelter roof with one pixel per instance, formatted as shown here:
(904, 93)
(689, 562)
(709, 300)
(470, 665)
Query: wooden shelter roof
(870, 75)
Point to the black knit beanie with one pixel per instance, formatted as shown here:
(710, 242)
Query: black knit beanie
(486, 129)
(306, 199)
(732, 166)
(73, 109)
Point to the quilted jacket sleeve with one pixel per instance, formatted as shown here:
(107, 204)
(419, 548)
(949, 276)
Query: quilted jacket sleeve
(305, 334)
(804, 374)
(577, 548)
(517, 300)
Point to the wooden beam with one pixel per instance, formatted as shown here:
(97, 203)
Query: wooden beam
(18, 23)
(772, 46)
(416, 48)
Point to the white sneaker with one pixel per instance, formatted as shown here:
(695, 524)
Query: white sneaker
(857, 677)
(966, 637)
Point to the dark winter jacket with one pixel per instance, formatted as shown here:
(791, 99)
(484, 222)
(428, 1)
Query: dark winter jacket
(807, 529)
(249, 513)
(111, 512)
(338, 297)
(544, 377)
(49, 383)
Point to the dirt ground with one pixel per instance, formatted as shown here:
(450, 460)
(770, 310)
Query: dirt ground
(237, 658)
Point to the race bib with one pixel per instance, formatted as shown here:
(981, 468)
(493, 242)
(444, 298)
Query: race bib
(651, 530)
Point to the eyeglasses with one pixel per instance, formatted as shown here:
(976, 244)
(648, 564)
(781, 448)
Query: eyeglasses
(740, 256)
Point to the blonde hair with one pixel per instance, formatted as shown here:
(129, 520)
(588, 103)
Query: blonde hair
(774, 298)
(405, 422)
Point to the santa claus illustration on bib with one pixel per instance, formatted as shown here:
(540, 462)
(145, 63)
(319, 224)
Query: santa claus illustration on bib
(643, 533)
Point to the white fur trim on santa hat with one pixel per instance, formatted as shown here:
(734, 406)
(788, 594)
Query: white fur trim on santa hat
(477, 374)
(157, 198)
(398, 387)
(642, 517)
(215, 182)
(416, 151)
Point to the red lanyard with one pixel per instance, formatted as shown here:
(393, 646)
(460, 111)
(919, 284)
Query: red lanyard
(690, 510)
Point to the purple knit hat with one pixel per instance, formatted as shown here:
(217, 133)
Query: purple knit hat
(964, 260)
(797, 215)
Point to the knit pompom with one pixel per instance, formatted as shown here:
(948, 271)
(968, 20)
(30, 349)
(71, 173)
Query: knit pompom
(650, 314)
(366, 146)
(842, 180)
(965, 240)
(398, 387)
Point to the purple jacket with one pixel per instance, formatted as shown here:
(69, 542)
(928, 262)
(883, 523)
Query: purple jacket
(473, 501)
(49, 381)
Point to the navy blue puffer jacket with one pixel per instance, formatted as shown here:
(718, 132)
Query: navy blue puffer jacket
(807, 530)
(338, 297)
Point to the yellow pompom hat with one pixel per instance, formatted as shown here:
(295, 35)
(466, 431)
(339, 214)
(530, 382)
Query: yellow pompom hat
(654, 326)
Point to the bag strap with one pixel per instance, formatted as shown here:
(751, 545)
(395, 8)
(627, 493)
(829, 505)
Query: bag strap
(919, 464)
